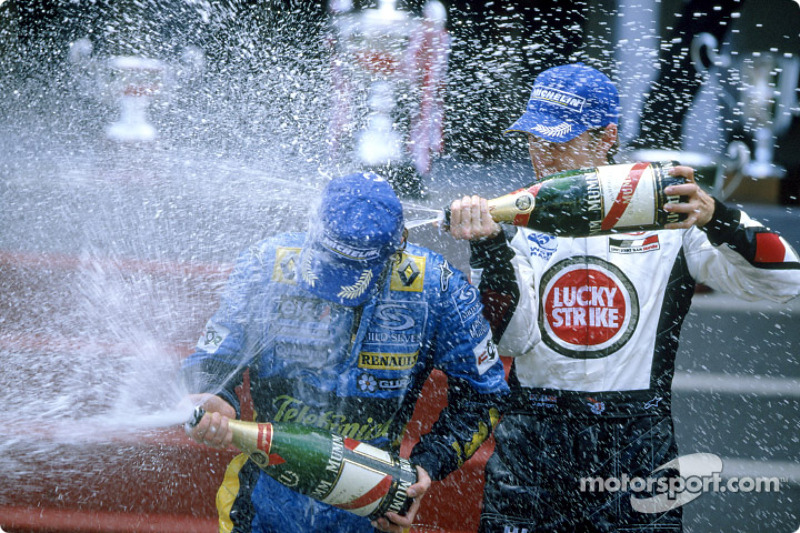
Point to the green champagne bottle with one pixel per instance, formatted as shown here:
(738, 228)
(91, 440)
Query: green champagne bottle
(336, 470)
(592, 201)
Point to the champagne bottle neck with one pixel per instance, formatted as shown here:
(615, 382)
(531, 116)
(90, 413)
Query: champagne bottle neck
(253, 439)
(518, 204)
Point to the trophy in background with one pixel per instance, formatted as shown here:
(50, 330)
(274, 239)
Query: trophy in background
(134, 82)
(130, 83)
(759, 95)
(768, 96)
(387, 73)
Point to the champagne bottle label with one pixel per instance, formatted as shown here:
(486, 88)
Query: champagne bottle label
(587, 202)
(339, 471)
(362, 484)
(631, 195)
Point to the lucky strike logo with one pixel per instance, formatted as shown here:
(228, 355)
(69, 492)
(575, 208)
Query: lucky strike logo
(589, 308)
(586, 307)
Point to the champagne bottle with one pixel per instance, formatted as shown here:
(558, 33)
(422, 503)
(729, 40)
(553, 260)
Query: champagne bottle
(593, 201)
(339, 471)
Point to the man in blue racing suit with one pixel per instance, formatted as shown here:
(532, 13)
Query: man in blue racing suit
(339, 328)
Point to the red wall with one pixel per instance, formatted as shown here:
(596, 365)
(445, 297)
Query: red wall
(160, 481)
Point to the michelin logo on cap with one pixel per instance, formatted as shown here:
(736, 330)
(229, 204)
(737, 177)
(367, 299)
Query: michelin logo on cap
(347, 251)
(562, 98)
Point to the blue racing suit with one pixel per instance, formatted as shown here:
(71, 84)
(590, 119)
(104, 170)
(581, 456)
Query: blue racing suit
(356, 371)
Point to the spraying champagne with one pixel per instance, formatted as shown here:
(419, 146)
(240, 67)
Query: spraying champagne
(336, 470)
(592, 201)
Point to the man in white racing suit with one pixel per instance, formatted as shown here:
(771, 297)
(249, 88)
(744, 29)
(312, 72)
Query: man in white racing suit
(593, 325)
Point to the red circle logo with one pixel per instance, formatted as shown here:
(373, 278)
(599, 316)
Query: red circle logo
(585, 307)
(589, 308)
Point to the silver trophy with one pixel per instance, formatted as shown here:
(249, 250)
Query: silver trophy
(131, 84)
(134, 82)
(768, 96)
(760, 94)
(387, 78)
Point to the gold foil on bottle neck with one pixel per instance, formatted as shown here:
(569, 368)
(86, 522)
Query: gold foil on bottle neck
(246, 438)
(506, 208)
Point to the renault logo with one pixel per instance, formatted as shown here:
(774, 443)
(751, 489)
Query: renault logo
(408, 271)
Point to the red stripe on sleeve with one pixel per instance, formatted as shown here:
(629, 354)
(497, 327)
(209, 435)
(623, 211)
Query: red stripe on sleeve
(769, 248)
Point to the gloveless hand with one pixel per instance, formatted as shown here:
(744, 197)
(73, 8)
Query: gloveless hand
(212, 430)
(699, 206)
(395, 523)
(470, 219)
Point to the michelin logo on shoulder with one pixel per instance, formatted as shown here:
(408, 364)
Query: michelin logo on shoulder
(212, 337)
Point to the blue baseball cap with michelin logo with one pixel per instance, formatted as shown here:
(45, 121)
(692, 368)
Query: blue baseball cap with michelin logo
(353, 233)
(567, 101)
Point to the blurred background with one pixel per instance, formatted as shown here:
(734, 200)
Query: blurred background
(693, 75)
(144, 143)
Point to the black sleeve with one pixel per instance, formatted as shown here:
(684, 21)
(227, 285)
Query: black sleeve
(498, 281)
(466, 422)
(721, 229)
(760, 246)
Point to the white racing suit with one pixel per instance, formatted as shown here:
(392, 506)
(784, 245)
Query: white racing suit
(593, 326)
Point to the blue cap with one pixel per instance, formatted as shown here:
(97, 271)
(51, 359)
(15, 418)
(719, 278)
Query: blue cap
(568, 100)
(355, 230)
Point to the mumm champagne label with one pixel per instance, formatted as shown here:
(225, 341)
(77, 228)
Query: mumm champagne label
(359, 478)
(596, 201)
(336, 470)
(632, 196)
(592, 201)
